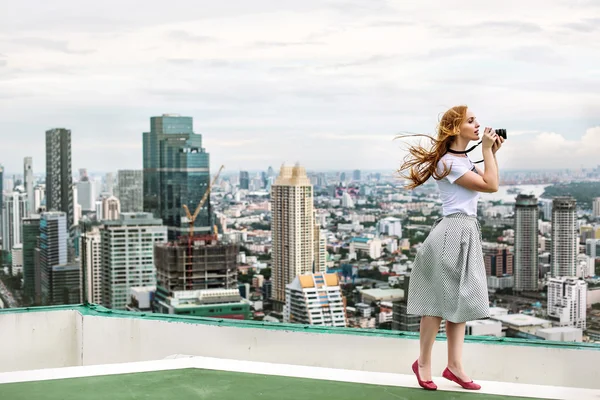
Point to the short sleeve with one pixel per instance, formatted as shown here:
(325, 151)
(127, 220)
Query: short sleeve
(458, 167)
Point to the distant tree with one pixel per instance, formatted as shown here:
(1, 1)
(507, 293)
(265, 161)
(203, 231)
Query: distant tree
(266, 273)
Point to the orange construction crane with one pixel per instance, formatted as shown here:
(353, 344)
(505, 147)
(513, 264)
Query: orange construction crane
(192, 218)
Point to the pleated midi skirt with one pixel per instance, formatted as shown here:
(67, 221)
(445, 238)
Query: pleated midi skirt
(448, 278)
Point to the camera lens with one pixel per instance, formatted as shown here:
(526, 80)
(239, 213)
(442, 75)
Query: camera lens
(501, 132)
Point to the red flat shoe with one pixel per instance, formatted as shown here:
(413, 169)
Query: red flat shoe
(466, 385)
(427, 385)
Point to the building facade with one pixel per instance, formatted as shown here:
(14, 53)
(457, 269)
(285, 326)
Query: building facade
(129, 190)
(91, 262)
(292, 228)
(31, 231)
(59, 180)
(128, 255)
(28, 182)
(16, 207)
(52, 251)
(526, 243)
(176, 172)
(315, 299)
(564, 237)
(111, 208)
(567, 301)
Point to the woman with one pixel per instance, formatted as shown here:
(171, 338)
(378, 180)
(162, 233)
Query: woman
(448, 279)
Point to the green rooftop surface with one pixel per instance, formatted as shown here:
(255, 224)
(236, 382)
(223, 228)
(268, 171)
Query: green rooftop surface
(187, 384)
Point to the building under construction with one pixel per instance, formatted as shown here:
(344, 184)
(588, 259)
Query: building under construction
(196, 264)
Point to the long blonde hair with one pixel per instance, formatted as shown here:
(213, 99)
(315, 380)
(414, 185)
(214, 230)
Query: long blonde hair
(420, 162)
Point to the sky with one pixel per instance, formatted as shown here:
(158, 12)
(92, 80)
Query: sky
(326, 83)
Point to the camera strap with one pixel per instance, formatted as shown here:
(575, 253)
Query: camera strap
(467, 151)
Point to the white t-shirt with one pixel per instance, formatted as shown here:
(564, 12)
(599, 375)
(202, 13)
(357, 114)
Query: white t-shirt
(456, 198)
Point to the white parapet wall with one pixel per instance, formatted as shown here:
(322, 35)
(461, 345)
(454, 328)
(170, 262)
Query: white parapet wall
(49, 338)
(45, 339)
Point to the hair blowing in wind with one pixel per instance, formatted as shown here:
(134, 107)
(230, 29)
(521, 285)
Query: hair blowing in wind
(420, 163)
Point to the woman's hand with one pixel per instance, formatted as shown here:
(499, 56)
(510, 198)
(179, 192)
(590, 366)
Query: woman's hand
(497, 144)
(489, 138)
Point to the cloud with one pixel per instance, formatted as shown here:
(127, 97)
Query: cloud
(286, 44)
(375, 59)
(49, 44)
(552, 150)
(231, 143)
(490, 28)
(585, 25)
(389, 23)
(537, 55)
(351, 137)
(184, 36)
(280, 71)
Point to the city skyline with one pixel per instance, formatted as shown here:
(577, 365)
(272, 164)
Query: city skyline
(317, 82)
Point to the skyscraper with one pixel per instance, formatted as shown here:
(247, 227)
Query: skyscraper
(564, 236)
(111, 208)
(31, 231)
(59, 185)
(356, 175)
(128, 255)
(109, 183)
(86, 194)
(176, 172)
(526, 243)
(292, 228)
(244, 180)
(129, 190)
(28, 182)
(596, 207)
(16, 207)
(1, 196)
(91, 261)
(52, 248)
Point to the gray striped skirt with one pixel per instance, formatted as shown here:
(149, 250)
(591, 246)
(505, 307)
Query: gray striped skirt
(448, 278)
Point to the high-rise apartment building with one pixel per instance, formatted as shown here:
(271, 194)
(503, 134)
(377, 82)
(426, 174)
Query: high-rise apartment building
(592, 248)
(498, 259)
(16, 207)
(320, 242)
(1, 195)
(244, 180)
(292, 228)
(596, 207)
(52, 253)
(91, 262)
(59, 181)
(315, 299)
(111, 208)
(31, 231)
(526, 243)
(129, 190)
(86, 194)
(564, 237)
(176, 172)
(28, 182)
(567, 301)
(128, 255)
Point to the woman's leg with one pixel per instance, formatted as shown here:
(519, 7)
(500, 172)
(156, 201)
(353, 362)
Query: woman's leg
(429, 329)
(456, 336)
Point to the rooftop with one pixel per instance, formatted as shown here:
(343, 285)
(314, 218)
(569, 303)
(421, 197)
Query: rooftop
(89, 352)
(520, 320)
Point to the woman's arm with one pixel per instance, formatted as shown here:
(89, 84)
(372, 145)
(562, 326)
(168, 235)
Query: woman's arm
(488, 181)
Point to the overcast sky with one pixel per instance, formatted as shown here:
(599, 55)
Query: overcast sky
(328, 83)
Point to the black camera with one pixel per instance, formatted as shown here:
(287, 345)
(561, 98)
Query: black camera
(501, 132)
